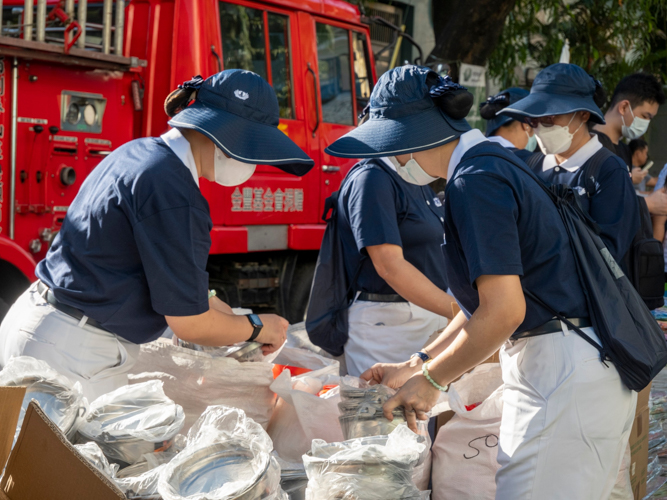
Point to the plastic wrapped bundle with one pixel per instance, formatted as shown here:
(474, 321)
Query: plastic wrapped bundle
(133, 420)
(61, 400)
(227, 457)
(196, 380)
(361, 412)
(94, 455)
(376, 468)
(242, 352)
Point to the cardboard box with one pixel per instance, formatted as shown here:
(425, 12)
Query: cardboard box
(639, 450)
(43, 464)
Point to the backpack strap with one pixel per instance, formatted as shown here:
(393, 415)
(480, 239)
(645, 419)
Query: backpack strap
(534, 160)
(592, 169)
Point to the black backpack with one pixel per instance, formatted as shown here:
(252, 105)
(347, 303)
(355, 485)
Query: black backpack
(331, 294)
(630, 336)
(645, 259)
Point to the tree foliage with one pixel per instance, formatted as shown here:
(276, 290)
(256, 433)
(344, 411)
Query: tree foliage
(608, 38)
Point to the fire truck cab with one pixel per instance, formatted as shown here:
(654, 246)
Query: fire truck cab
(66, 101)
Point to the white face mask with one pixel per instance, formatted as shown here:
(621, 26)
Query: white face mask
(638, 127)
(555, 139)
(231, 172)
(532, 142)
(412, 172)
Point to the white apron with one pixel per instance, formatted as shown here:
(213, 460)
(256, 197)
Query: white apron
(98, 359)
(566, 420)
(387, 332)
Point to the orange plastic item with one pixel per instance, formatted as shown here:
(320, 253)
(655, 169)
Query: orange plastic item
(294, 370)
(326, 389)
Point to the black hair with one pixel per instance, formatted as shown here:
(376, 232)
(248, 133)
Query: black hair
(637, 145)
(455, 101)
(600, 96)
(489, 109)
(638, 88)
(178, 101)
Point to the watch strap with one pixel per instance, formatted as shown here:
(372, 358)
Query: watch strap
(256, 328)
(422, 355)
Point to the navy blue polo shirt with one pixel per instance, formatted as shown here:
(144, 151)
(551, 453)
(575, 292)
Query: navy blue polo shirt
(499, 221)
(134, 245)
(524, 154)
(376, 207)
(614, 205)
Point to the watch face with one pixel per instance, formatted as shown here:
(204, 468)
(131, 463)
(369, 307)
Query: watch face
(254, 319)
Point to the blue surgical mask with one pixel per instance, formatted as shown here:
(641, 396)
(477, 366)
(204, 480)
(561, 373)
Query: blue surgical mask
(532, 142)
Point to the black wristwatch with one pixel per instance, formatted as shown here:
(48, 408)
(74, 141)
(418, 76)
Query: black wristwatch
(256, 324)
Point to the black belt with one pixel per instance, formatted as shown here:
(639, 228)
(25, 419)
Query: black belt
(48, 295)
(552, 326)
(379, 297)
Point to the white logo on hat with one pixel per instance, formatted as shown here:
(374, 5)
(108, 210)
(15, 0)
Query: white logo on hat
(241, 95)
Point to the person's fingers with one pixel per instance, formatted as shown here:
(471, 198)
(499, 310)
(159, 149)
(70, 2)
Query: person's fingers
(390, 405)
(411, 417)
(422, 415)
(368, 375)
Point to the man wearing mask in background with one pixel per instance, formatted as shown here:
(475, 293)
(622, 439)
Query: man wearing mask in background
(633, 105)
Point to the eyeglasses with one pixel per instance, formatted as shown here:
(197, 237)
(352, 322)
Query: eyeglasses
(546, 121)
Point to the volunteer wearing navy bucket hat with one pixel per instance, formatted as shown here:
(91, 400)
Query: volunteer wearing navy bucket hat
(131, 256)
(503, 234)
(391, 223)
(515, 135)
(562, 102)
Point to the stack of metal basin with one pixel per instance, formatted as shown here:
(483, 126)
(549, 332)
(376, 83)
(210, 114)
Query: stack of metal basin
(361, 412)
(225, 465)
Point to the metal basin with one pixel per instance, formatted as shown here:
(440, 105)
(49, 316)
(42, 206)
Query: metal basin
(60, 404)
(117, 441)
(369, 422)
(242, 352)
(213, 466)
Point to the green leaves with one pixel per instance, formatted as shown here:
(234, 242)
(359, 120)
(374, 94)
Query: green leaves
(608, 38)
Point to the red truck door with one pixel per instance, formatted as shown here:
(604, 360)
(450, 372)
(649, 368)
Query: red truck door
(339, 62)
(263, 39)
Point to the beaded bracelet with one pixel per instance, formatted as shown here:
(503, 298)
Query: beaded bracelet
(433, 382)
(211, 293)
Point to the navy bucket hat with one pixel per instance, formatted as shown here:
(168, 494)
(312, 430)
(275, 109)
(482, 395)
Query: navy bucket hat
(497, 102)
(411, 109)
(238, 110)
(558, 89)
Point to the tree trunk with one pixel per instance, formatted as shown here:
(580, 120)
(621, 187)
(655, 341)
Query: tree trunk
(468, 30)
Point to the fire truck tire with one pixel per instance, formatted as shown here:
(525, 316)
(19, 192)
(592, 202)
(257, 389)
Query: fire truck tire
(299, 293)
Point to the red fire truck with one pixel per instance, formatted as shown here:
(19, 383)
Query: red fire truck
(72, 89)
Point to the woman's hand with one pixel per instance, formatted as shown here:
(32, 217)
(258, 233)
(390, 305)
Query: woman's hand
(392, 375)
(219, 305)
(417, 397)
(273, 334)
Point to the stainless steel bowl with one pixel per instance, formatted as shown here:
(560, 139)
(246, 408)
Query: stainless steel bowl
(378, 394)
(242, 352)
(365, 424)
(56, 400)
(211, 467)
(127, 449)
(295, 488)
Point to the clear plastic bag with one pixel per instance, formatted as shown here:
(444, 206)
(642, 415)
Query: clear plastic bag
(227, 456)
(141, 486)
(375, 468)
(94, 455)
(133, 420)
(62, 401)
(196, 380)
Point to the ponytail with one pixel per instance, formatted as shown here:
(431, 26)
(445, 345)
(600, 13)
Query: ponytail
(179, 99)
(453, 99)
(489, 109)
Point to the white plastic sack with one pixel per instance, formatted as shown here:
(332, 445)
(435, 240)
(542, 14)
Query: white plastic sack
(204, 470)
(466, 448)
(196, 380)
(61, 401)
(133, 420)
(376, 468)
(301, 415)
